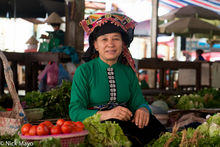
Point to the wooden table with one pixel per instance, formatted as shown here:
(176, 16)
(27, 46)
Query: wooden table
(32, 63)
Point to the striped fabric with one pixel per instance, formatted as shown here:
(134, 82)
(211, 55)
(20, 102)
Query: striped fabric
(213, 5)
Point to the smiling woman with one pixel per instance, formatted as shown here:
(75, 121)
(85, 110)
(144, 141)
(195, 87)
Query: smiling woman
(109, 47)
(107, 84)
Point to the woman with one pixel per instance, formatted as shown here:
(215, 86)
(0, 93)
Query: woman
(107, 82)
(57, 36)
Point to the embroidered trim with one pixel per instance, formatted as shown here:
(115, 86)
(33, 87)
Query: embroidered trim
(98, 19)
(112, 85)
(108, 106)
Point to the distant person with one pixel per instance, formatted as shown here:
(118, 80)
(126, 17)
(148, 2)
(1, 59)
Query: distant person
(57, 36)
(142, 81)
(199, 56)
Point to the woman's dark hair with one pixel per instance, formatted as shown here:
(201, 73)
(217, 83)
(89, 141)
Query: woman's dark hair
(199, 51)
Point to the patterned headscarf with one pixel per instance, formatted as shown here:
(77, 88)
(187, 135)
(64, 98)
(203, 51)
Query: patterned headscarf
(95, 22)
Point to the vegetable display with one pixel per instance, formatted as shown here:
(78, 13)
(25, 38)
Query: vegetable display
(211, 97)
(207, 134)
(54, 102)
(105, 134)
(48, 128)
(190, 101)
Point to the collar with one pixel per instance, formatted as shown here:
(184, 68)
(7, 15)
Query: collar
(105, 65)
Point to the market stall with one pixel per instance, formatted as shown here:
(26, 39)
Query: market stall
(32, 63)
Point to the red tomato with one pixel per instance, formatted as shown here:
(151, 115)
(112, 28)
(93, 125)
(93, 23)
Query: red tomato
(27, 134)
(66, 129)
(49, 124)
(55, 130)
(33, 130)
(69, 123)
(76, 129)
(79, 124)
(25, 128)
(42, 129)
(60, 122)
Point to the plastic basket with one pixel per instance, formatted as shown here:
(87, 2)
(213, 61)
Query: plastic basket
(65, 139)
(11, 121)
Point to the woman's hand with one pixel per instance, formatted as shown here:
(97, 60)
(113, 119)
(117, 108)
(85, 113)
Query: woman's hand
(141, 117)
(119, 112)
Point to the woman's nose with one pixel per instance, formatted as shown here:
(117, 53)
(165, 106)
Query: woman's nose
(110, 42)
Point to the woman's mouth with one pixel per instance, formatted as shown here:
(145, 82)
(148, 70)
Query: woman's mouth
(111, 51)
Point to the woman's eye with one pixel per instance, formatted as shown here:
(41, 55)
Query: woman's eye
(104, 39)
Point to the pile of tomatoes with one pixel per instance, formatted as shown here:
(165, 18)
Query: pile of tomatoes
(48, 128)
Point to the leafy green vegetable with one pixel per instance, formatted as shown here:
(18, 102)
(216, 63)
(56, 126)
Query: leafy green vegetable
(207, 135)
(214, 119)
(203, 129)
(209, 142)
(211, 97)
(55, 102)
(190, 101)
(105, 134)
(214, 130)
(160, 142)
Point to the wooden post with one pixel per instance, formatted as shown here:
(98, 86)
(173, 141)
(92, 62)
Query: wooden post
(74, 35)
(154, 23)
(154, 19)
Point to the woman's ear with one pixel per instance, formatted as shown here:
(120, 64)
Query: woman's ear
(95, 45)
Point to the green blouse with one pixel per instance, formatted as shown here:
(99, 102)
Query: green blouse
(91, 87)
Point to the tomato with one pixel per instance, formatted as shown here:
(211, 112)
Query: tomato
(77, 129)
(25, 128)
(27, 134)
(79, 124)
(60, 122)
(33, 130)
(42, 129)
(66, 129)
(55, 130)
(69, 123)
(49, 124)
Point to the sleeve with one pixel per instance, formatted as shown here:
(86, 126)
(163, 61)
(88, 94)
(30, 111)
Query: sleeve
(78, 110)
(137, 99)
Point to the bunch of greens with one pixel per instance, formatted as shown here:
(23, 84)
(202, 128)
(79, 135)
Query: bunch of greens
(54, 102)
(207, 134)
(211, 97)
(190, 101)
(104, 134)
(210, 128)
(160, 142)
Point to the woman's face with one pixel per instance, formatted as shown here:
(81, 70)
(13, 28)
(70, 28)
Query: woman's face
(109, 47)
